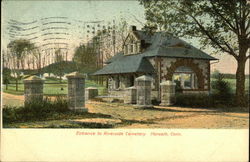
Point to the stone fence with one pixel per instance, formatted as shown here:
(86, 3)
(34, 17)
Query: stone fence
(139, 94)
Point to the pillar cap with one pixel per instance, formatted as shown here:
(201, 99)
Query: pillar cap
(144, 78)
(75, 75)
(33, 78)
(131, 87)
(91, 88)
(168, 82)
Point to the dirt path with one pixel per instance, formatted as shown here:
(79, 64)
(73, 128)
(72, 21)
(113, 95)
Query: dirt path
(171, 117)
(12, 100)
(11, 96)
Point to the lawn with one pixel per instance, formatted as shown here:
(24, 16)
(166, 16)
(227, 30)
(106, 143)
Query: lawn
(51, 87)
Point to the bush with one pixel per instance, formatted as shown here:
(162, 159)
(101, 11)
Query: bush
(178, 88)
(194, 100)
(221, 90)
(35, 110)
(209, 101)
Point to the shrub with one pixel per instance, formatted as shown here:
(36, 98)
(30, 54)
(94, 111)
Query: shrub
(209, 100)
(194, 100)
(35, 110)
(155, 102)
(221, 90)
(178, 88)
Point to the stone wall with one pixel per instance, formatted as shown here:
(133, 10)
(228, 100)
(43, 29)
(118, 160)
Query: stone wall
(200, 67)
(165, 68)
(205, 66)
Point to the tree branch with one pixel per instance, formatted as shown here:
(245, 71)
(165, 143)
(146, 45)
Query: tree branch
(230, 51)
(233, 28)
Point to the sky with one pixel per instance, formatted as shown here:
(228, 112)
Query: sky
(28, 11)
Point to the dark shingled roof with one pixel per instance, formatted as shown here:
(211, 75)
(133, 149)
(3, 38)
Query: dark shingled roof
(127, 64)
(161, 44)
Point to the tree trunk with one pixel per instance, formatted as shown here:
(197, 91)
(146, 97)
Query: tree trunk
(16, 84)
(240, 83)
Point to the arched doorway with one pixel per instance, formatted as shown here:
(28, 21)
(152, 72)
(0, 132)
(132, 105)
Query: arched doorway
(192, 71)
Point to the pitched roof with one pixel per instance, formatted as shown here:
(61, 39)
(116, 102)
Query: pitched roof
(117, 56)
(161, 44)
(127, 64)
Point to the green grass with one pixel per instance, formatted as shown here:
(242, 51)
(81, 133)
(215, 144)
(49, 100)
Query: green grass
(51, 88)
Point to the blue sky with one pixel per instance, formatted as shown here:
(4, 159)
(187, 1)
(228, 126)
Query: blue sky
(26, 11)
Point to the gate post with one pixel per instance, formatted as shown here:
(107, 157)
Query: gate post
(33, 89)
(130, 95)
(143, 86)
(167, 93)
(76, 91)
(91, 92)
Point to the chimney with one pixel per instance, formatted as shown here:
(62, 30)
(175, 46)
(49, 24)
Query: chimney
(132, 28)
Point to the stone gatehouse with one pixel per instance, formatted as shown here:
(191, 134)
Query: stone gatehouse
(162, 56)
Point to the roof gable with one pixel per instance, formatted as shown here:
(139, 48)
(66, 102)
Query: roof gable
(160, 44)
(131, 37)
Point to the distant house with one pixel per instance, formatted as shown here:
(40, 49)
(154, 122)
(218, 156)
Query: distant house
(161, 56)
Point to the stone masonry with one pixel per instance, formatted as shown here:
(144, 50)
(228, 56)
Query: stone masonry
(33, 89)
(76, 91)
(143, 86)
(130, 95)
(91, 92)
(167, 93)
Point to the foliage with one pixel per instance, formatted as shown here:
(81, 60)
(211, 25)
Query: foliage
(35, 110)
(178, 86)
(210, 101)
(18, 49)
(66, 67)
(226, 75)
(194, 100)
(85, 58)
(221, 24)
(6, 75)
(221, 89)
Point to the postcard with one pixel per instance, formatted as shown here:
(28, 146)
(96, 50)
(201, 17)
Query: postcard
(139, 80)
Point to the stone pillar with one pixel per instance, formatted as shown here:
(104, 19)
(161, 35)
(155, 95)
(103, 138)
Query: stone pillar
(33, 89)
(143, 86)
(130, 95)
(91, 92)
(76, 91)
(167, 93)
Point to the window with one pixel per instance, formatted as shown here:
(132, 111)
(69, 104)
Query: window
(117, 83)
(132, 79)
(185, 78)
(138, 47)
(131, 49)
(125, 49)
(135, 48)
